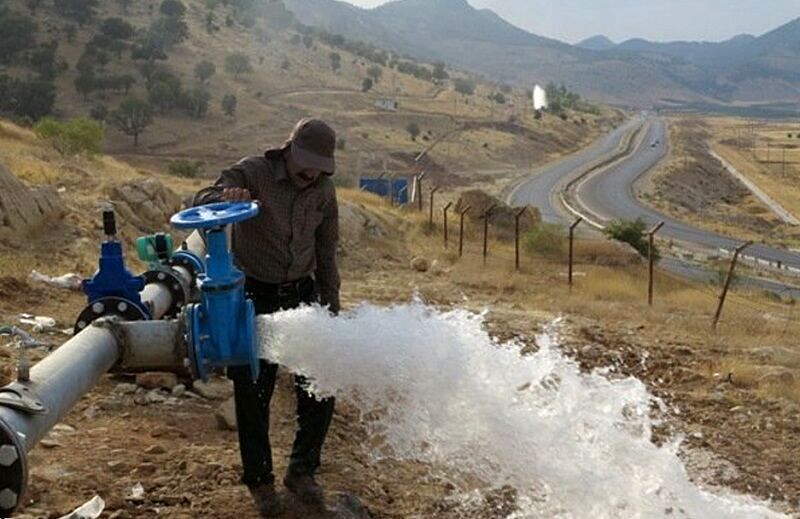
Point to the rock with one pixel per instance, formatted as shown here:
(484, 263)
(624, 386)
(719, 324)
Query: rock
(155, 397)
(63, 428)
(118, 467)
(145, 204)
(157, 380)
(420, 264)
(49, 444)
(23, 208)
(214, 389)
(146, 469)
(226, 415)
(777, 377)
(178, 390)
(124, 389)
(155, 449)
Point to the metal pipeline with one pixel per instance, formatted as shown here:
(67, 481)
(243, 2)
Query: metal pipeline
(159, 294)
(31, 408)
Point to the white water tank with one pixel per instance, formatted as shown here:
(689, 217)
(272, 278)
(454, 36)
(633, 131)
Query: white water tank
(539, 98)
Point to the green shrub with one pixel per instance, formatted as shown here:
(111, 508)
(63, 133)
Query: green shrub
(71, 137)
(185, 168)
(631, 232)
(546, 239)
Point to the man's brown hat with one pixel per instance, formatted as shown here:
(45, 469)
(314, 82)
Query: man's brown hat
(312, 144)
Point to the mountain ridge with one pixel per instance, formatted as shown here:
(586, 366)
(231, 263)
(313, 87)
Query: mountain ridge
(636, 71)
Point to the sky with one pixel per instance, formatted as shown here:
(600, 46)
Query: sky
(657, 20)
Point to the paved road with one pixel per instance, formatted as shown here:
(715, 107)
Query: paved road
(539, 189)
(609, 194)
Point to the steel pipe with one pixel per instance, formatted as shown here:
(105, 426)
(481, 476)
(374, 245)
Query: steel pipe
(28, 410)
(148, 345)
(159, 295)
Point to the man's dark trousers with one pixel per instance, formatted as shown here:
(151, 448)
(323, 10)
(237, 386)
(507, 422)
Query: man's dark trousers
(253, 398)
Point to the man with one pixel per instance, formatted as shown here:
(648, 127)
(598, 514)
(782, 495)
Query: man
(288, 254)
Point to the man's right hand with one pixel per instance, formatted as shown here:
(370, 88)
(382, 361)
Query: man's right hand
(236, 194)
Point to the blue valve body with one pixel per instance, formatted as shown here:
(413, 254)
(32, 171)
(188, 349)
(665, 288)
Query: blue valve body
(222, 326)
(113, 279)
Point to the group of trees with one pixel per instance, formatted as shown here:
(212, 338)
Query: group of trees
(31, 98)
(560, 99)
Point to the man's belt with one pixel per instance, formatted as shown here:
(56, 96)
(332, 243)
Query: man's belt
(287, 290)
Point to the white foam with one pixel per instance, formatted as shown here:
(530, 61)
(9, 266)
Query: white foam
(436, 388)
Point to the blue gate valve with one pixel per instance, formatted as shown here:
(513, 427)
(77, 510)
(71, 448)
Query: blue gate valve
(221, 327)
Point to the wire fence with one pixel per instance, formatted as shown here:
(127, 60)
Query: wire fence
(772, 303)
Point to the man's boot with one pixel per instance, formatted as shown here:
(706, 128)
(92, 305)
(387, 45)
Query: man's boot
(305, 488)
(267, 500)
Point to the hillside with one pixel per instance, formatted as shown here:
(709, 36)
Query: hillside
(731, 396)
(634, 72)
(289, 73)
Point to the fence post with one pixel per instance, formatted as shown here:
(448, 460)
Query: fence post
(419, 190)
(430, 213)
(517, 216)
(486, 214)
(461, 232)
(651, 258)
(444, 214)
(571, 240)
(728, 279)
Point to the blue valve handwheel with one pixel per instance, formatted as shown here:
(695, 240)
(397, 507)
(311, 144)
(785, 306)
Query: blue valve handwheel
(214, 215)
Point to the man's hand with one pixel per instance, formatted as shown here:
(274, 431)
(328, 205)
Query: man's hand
(236, 194)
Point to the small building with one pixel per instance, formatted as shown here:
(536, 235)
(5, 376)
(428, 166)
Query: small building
(386, 104)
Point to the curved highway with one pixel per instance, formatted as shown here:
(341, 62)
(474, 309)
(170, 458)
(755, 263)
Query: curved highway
(541, 187)
(608, 194)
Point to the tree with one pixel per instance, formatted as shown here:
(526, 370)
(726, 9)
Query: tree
(71, 137)
(17, 33)
(498, 98)
(439, 71)
(204, 70)
(413, 130)
(26, 98)
(132, 117)
(308, 41)
(149, 49)
(79, 10)
(375, 72)
(195, 102)
(116, 28)
(43, 60)
(99, 113)
(172, 8)
(168, 31)
(336, 61)
(237, 63)
(165, 93)
(85, 82)
(229, 103)
(630, 232)
(366, 85)
(464, 86)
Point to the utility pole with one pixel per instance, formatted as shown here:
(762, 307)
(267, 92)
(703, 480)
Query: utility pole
(461, 231)
(651, 259)
(571, 241)
(444, 214)
(486, 215)
(517, 216)
(728, 279)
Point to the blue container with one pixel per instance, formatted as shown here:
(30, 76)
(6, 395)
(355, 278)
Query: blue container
(395, 189)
